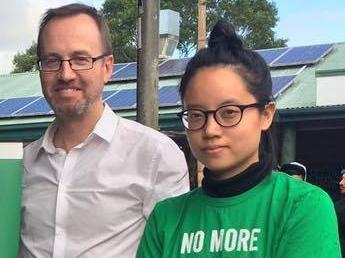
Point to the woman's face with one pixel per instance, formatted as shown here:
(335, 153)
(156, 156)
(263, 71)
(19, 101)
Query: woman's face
(226, 150)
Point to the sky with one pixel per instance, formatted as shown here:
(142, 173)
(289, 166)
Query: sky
(305, 22)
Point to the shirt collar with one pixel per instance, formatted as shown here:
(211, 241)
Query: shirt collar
(107, 124)
(104, 128)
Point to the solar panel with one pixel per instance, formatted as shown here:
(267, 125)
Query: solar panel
(117, 68)
(173, 67)
(107, 94)
(128, 72)
(39, 107)
(278, 57)
(169, 96)
(123, 99)
(271, 54)
(10, 106)
(303, 55)
(280, 83)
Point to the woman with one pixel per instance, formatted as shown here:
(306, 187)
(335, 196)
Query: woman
(243, 209)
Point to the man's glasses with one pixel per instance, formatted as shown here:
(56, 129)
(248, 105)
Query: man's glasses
(52, 64)
(226, 116)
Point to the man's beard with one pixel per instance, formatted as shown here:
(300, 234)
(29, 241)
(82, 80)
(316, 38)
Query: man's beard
(78, 109)
(75, 110)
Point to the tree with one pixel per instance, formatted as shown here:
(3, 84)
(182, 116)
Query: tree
(254, 20)
(121, 16)
(25, 62)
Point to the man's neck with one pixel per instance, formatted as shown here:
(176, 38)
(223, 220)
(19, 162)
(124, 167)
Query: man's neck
(71, 132)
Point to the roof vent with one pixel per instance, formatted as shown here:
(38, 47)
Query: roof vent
(169, 31)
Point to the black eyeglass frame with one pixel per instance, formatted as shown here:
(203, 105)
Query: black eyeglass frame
(208, 112)
(93, 59)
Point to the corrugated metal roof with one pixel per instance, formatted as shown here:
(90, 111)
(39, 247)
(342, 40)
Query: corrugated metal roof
(335, 60)
(301, 94)
(20, 85)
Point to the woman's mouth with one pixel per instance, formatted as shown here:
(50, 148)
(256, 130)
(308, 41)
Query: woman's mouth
(212, 150)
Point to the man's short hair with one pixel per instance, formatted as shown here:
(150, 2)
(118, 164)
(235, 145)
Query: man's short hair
(295, 168)
(71, 10)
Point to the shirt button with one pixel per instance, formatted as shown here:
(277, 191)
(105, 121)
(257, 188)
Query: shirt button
(58, 232)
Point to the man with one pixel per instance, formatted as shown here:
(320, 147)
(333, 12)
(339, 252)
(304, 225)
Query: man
(91, 181)
(295, 169)
(340, 209)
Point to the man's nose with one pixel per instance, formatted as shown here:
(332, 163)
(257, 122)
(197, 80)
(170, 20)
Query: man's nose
(66, 73)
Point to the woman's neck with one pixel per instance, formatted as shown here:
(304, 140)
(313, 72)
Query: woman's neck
(241, 182)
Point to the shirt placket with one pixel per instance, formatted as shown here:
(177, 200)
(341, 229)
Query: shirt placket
(60, 237)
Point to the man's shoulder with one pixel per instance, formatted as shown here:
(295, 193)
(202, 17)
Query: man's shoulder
(31, 151)
(33, 147)
(130, 128)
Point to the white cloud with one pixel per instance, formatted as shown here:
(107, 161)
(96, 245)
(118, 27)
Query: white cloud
(19, 20)
(5, 62)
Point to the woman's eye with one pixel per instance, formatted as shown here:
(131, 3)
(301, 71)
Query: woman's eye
(228, 113)
(195, 116)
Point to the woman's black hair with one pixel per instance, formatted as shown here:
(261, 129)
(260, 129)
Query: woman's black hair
(225, 48)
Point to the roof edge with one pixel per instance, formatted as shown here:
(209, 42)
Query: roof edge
(330, 72)
(311, 113)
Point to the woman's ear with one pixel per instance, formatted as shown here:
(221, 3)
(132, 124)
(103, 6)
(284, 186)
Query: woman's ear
(267, 115)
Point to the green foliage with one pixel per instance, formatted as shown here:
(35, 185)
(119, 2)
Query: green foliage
(254, 20)
(25, 62)
(121, 16)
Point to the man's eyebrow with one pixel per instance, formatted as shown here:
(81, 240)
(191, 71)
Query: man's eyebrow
(51, 55)
(80, 53)
(74, 54)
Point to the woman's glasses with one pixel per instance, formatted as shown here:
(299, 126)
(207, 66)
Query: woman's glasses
(226, 116)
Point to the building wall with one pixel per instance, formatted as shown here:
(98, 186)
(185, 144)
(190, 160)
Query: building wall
(330, 90)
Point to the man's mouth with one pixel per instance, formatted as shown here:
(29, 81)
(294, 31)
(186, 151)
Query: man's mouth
(67, 89)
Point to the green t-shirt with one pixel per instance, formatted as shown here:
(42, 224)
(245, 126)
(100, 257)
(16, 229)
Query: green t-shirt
(281, 217)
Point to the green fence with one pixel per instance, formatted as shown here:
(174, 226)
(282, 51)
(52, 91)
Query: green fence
(11, 166)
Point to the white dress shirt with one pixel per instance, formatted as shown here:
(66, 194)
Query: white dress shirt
(93, 201)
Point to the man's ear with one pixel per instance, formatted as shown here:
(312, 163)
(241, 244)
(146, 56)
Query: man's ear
(268, 115)
(108, 68)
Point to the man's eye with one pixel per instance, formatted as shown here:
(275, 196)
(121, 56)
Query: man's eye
(51, 61)
(81, 60)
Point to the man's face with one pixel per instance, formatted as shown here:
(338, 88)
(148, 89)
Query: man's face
(74, 93)
(342, 185)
